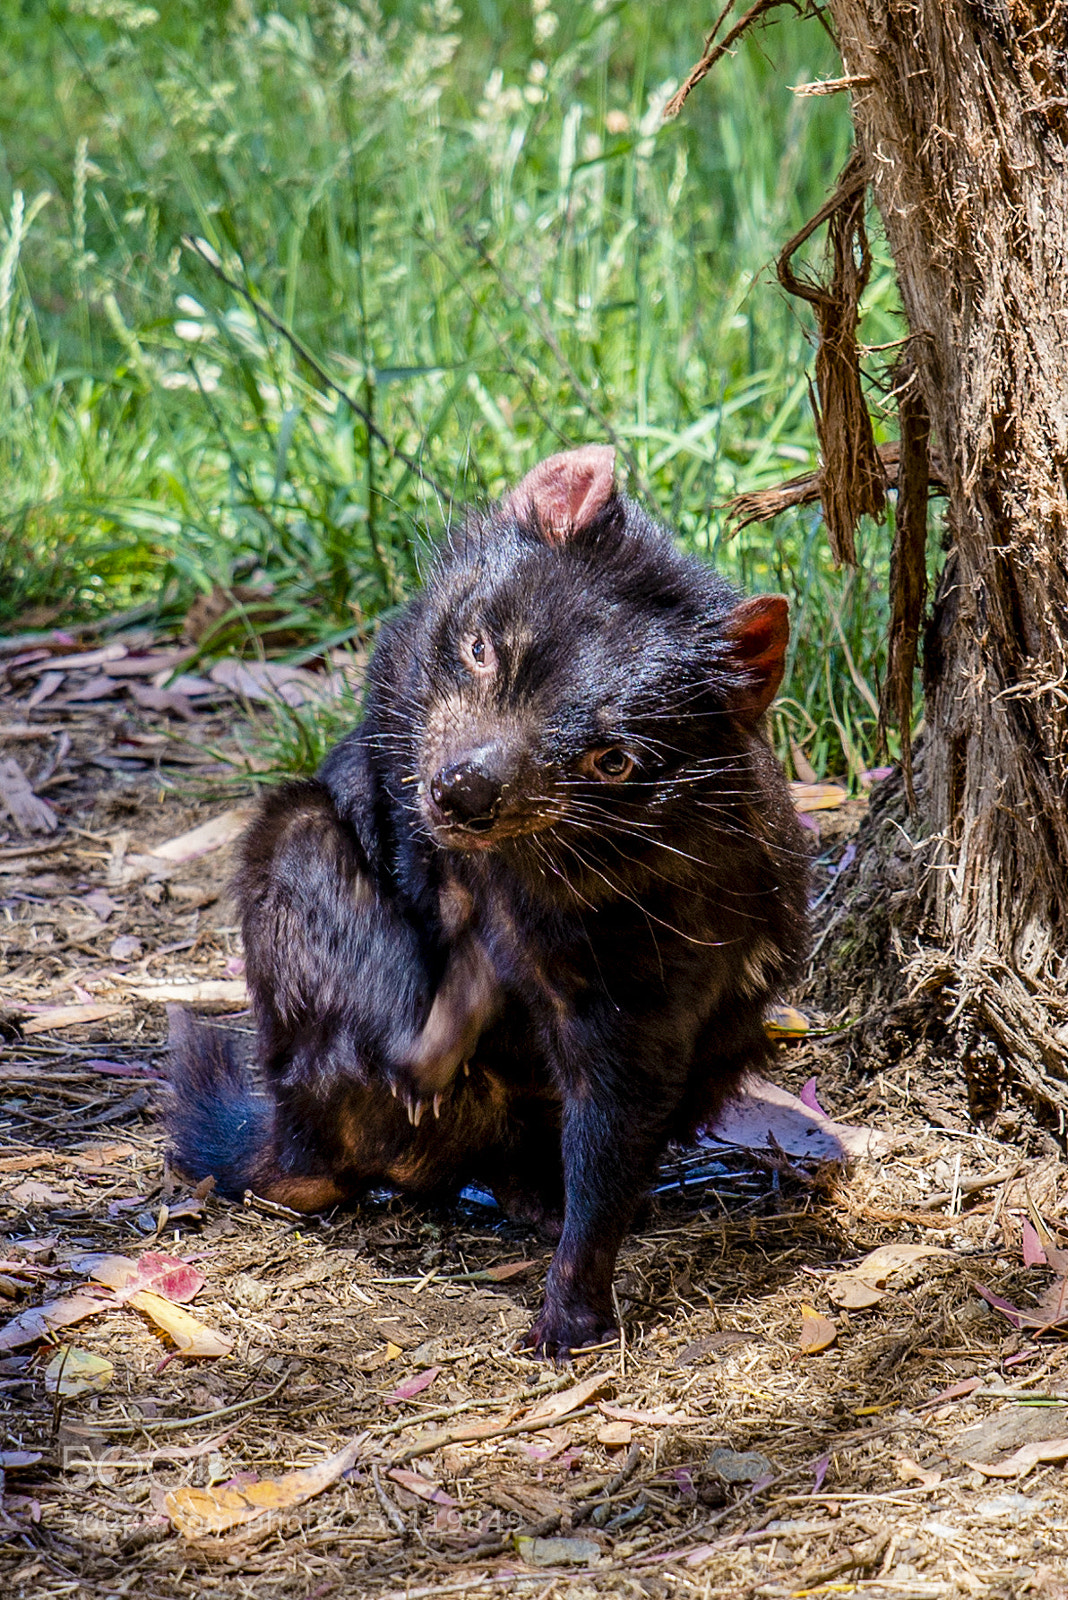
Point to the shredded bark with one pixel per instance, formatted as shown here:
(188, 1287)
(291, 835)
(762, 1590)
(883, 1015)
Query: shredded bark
(763, 504)
(908, 565)
(852, 481)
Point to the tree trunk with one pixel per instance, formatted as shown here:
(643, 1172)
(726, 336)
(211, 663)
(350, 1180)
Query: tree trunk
(962, 113)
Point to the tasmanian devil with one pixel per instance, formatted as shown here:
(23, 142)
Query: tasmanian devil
(524, 925)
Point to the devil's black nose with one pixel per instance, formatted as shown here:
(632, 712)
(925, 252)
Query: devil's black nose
(467, 794)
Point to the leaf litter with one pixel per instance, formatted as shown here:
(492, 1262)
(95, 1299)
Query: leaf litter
(396, 1323)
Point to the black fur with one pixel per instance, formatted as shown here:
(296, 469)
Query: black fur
(465, 913)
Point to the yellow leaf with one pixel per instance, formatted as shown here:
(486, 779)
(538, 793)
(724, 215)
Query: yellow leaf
(392, 1350)
(191, 1337)
(783, 1022)
(817, 1333)
(72, 1371)
(818, 796)
(195, 1512)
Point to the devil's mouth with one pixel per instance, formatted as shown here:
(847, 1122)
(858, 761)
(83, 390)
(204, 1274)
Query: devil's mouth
(484, 833)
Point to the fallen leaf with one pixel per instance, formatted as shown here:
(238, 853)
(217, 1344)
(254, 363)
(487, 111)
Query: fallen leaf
(393, 1350)
(807, 1097)
(817, 796)
(12, 1460)
(190, 1337)
(412, 1386)
(1050, 1312)
(1021, 1462)
(73, 1371)
(35, 1193)
(46, 1018)
(762, 1114)
(98, 688)
(32, 1325)
(232, 991)
(1033, 1253)
(783, 1022)
(910, 1471)
(125, 948)
(100, 903)
(650, 1419)
(566, 1401)
(817, 1333)
(196, 1512)
(614, 1434)
(268, 680)
(415, 1483)
(221, 830)
(558, 1552)
(164, 1275)
(162, 700)
(508, 1269)
(863, 1285)
(80, 658)
(27, 811)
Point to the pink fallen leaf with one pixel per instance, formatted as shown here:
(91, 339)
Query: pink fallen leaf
(164, 1275)
(412, 1386)
(197, 1512)
(1051, 1311)
(125, 1069)
(35, 1193)
(1033, 1253)
(415, 1483)
(807, 1097)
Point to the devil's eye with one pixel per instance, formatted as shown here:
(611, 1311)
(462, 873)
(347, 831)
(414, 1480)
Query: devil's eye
(612, 765)
(478, 655)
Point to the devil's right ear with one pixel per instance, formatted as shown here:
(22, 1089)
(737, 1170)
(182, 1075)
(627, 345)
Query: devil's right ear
(565, 493)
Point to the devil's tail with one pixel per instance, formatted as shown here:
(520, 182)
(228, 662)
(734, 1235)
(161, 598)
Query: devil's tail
(220, 1124)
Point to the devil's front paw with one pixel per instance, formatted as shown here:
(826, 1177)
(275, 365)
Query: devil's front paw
(561, 1332)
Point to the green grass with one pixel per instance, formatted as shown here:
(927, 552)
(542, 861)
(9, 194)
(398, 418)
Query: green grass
(476, 224)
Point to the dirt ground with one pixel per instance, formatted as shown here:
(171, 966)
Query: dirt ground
(750, 1435)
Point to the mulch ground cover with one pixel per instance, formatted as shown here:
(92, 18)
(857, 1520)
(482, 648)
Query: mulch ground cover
(783, 1415)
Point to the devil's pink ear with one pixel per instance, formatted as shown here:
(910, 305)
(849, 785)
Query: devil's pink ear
(565, 493)
(758, 632)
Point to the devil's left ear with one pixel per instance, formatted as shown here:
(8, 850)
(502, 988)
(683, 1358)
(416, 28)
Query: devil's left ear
(567, 492)
(757, 633)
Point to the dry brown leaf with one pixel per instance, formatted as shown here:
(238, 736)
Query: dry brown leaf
(32, 1192)
(614, 1434)
(46, 1018)
(910, 1471)
(32, 1325)
(817, 1333)
(221, 830)
(863, 1285)
(425, 1488)
(569, 1400)
(650, 1419)
(29, 813)
(1021, 1461)
(190, 1337)
(196, 1512)
(232, 991)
